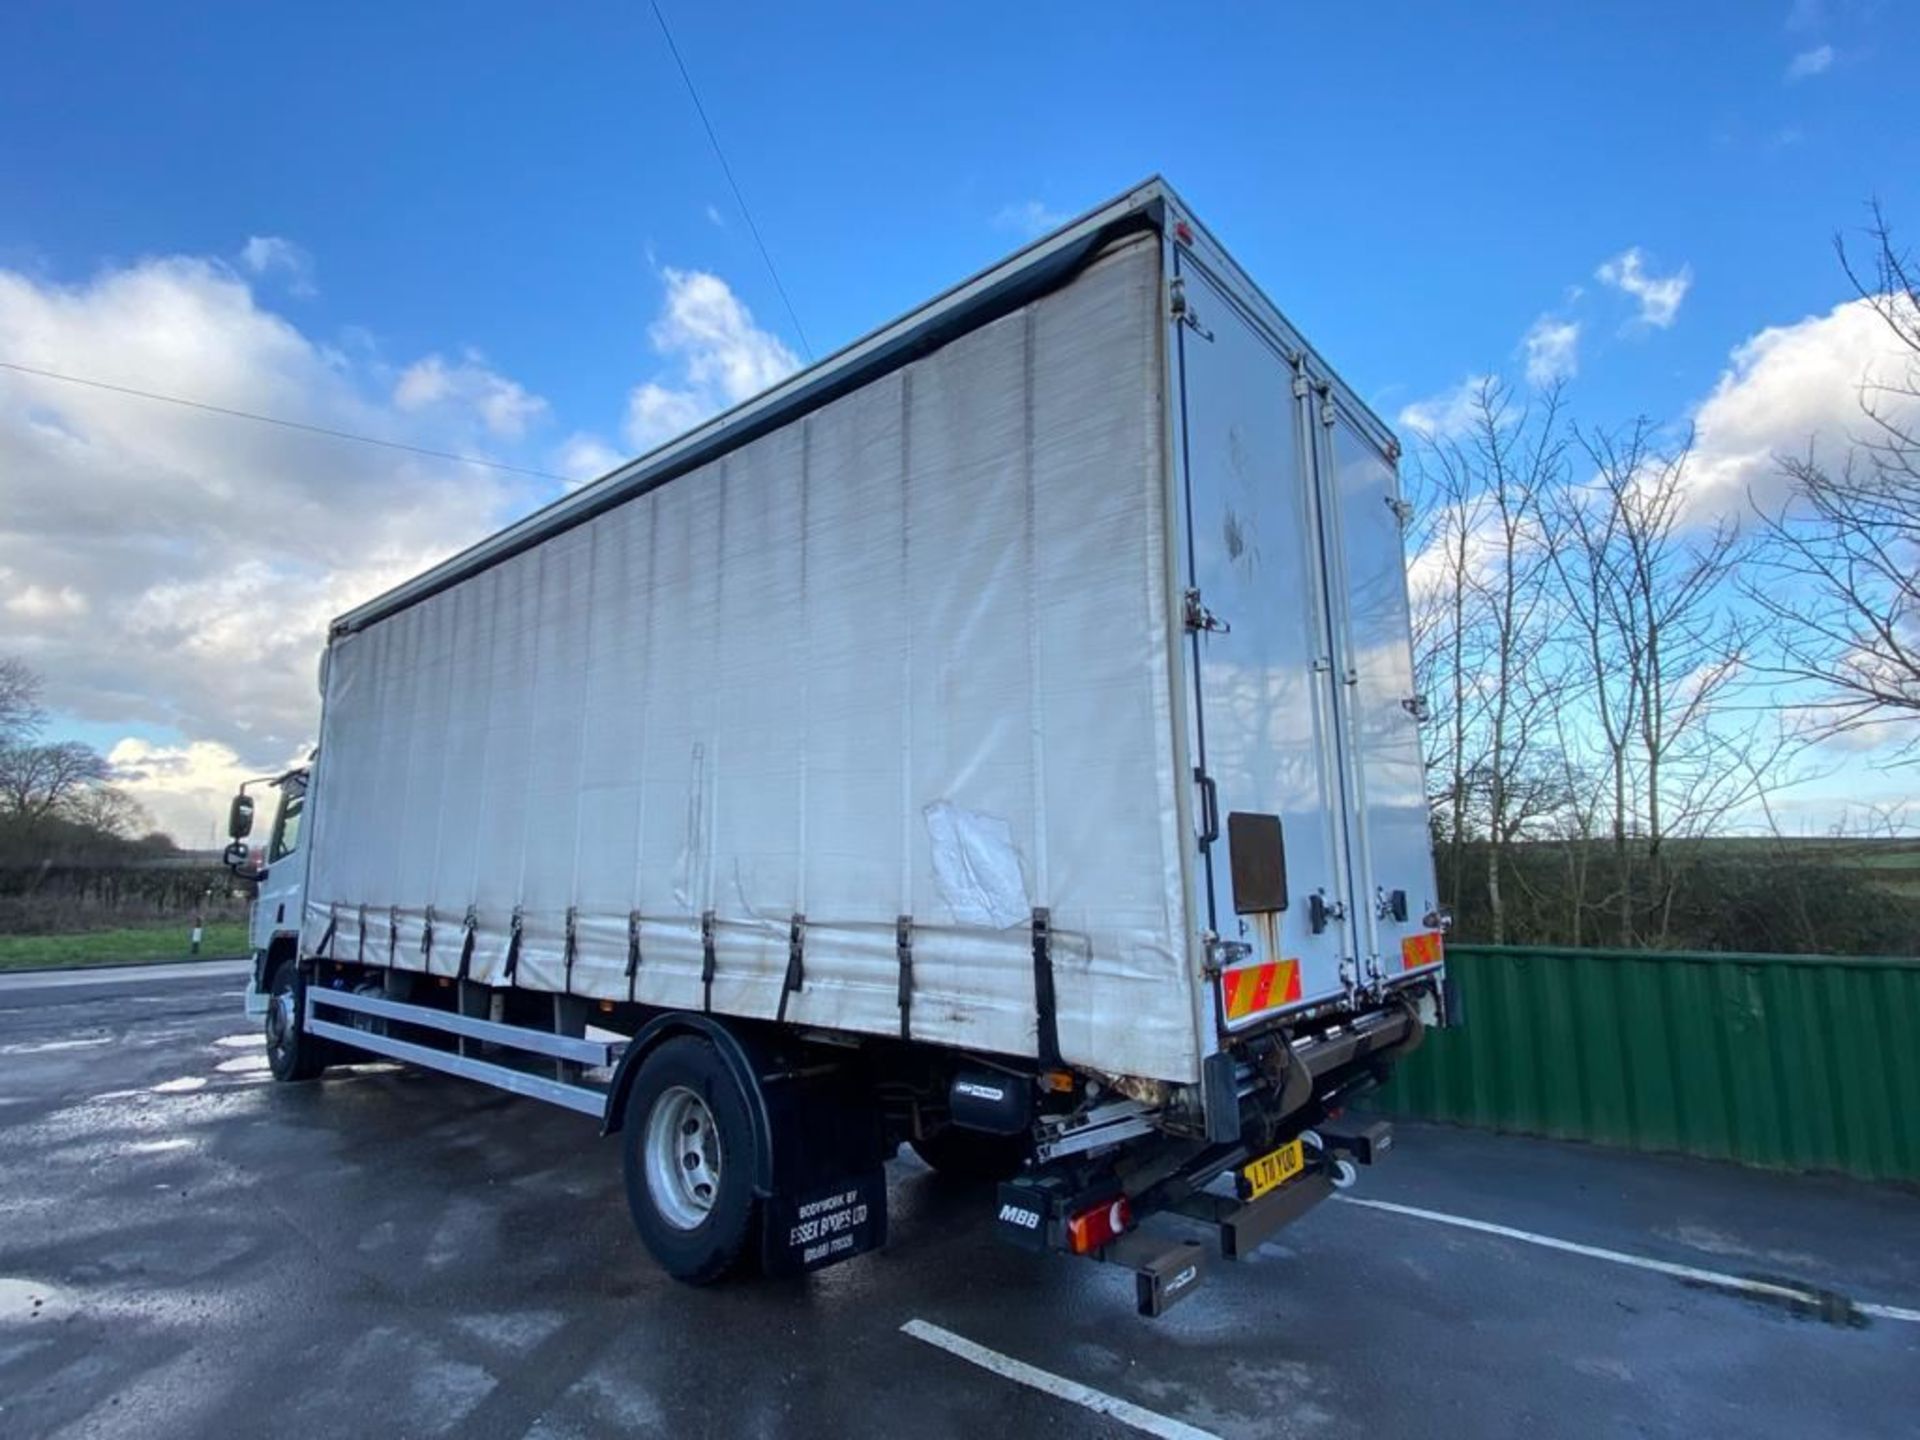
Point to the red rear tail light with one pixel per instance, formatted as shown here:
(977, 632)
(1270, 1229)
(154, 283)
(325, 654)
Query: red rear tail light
(1099, 1225)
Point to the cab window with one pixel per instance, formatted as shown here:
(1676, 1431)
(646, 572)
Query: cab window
(286, 830)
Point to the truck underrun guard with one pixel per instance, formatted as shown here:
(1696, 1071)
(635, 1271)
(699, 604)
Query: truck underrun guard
(1290, 1149)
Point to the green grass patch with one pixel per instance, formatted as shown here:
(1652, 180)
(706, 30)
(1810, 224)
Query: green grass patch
(138, 945)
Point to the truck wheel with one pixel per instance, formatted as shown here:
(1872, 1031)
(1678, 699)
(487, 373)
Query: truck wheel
(688, 1145)
(292, 1054)
(972, 1154)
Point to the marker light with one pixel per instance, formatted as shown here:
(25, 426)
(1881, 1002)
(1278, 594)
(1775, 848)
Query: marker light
(1097, 1227)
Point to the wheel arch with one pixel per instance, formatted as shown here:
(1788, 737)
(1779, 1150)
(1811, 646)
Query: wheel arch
(285, 945)
(737, 1052)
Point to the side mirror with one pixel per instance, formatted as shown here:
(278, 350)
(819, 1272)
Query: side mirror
(240, 817)
(234, 857)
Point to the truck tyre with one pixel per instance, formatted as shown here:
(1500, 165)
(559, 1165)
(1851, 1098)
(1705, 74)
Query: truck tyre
(688, 1144)
(963, 1154)
(292, 1054)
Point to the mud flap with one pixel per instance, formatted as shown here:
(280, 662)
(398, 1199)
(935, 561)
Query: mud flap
(828, 1199)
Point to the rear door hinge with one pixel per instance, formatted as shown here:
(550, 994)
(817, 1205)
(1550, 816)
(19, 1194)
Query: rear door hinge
(1220, 954)
(1182, 310)
(1402, 509)
(1198, 617)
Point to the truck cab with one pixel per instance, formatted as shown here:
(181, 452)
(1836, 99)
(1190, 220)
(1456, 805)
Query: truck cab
(278, 870)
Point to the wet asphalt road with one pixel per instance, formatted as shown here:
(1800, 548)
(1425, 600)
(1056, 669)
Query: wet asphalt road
(187, 1249)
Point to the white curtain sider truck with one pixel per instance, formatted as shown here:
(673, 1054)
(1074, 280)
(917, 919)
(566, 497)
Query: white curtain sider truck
(997, 739)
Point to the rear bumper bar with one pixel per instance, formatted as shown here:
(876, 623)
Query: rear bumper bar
(1034, 1212)
(1253, 1088)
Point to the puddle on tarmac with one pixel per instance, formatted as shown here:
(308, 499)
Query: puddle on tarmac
(29, 1300)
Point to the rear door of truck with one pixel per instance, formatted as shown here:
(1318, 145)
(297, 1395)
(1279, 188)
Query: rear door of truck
(1306, 722)
(1265, 732)
(1364, 518)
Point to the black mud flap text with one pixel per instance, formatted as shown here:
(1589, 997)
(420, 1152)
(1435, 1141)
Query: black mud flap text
(827, 1224)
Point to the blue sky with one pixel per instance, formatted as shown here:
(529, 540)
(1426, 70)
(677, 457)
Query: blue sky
(1414, 182)
(513, 190)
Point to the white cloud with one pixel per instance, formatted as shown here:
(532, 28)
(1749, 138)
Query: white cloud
(271, 255)
(169, 569)
(586, 457)
(1659, 295)
(719, 357)
(1446, 415)
(1031, 218)
(715, 218)
(41, 602)
(1553, 350)
(1807, 15)
(185, 788)
(503, 406)
(1809, 63)
(1785, 389)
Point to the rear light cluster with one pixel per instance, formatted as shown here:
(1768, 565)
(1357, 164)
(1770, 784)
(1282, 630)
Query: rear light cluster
(1099, 1226)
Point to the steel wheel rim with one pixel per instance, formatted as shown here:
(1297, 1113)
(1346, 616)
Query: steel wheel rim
(683, 1158)
(280, 1025)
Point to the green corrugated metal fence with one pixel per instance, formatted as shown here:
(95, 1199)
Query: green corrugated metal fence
(1796, 1061)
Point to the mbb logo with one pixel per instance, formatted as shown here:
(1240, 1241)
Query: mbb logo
(1015, 1215)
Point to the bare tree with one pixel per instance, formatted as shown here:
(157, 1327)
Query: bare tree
(20, 714)
(38, 782)
(1451, 502)
(107, 810)
(1843, 583)
(1664, 659)
(1575, 825)
(1590, 560)
(64, 779)
(1484, 626)
(1519, 453)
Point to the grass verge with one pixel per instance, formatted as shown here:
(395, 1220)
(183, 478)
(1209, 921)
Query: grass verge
(136, 945)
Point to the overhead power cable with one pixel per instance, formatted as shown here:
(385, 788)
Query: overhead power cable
(732, 183)
(278, 420)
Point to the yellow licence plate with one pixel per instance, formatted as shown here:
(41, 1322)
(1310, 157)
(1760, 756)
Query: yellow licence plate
(1262, 1175)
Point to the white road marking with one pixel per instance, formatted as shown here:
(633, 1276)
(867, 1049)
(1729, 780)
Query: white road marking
(1098, 1401)
(1888, 1312)
(120, 974)
(43, 1046)
(1716, 1278)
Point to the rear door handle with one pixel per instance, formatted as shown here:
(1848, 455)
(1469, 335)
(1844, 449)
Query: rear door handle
(1209, 808)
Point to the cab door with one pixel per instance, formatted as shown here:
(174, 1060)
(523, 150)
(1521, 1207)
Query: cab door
(1269, 788)
(276, 910)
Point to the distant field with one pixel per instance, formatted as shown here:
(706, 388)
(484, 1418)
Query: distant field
(1893, 864)
(139, 945)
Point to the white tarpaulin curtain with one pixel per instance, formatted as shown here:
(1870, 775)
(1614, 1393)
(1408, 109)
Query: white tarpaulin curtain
(905, 656)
